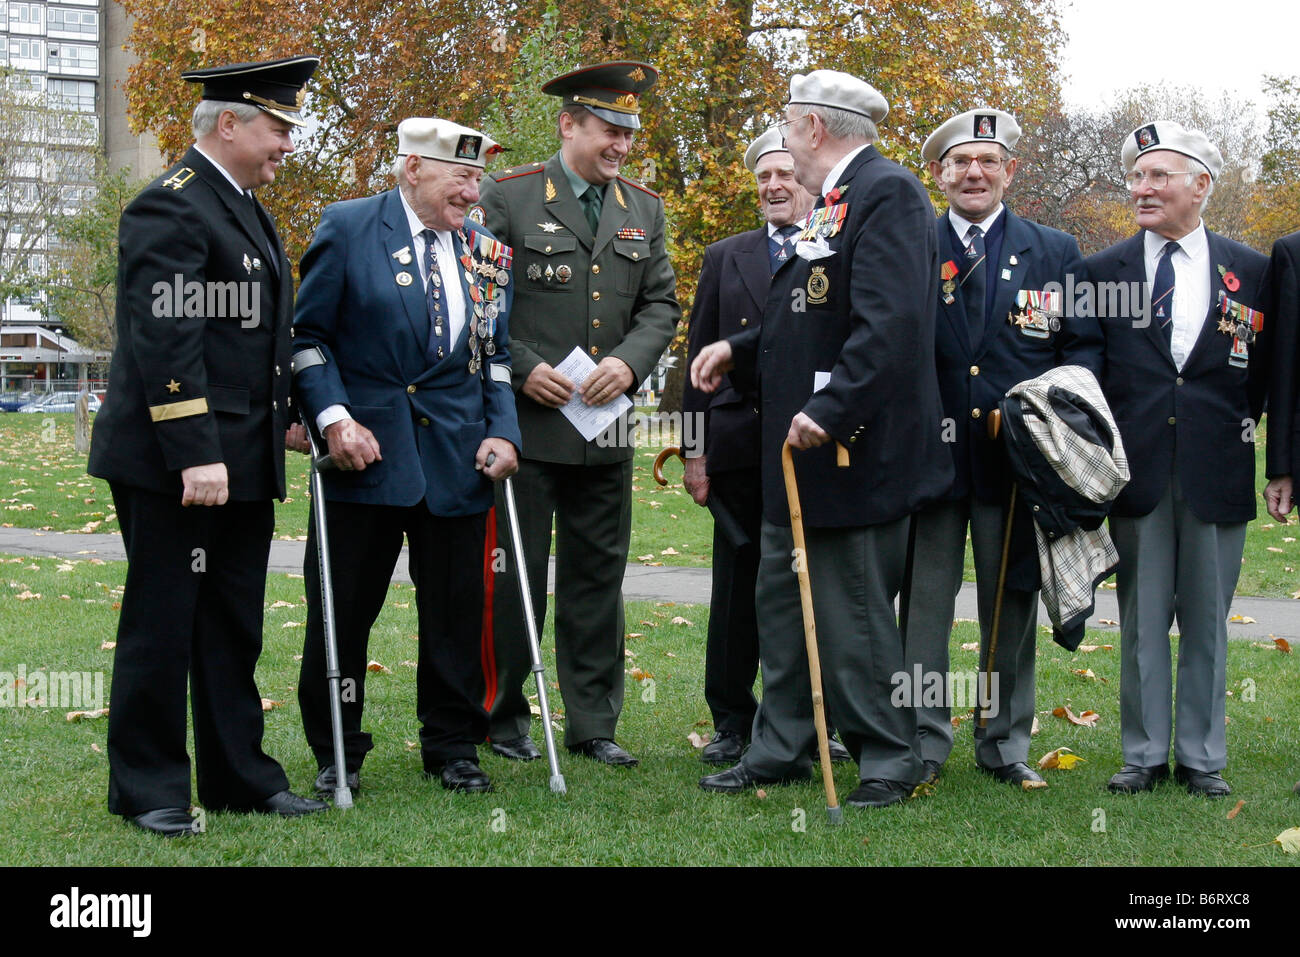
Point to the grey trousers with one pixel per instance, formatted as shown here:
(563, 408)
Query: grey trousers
(1171, 563)
(856, 574)
(926, 612)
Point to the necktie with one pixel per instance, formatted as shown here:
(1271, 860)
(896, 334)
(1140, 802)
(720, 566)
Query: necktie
(973, 284)
(1162, 292)
(437, 346)
(591, 202)
(780, 246)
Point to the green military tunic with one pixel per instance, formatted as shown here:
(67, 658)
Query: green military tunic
(610, 294)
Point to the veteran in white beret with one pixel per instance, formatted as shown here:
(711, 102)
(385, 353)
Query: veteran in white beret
(722, 470)
(845, 355)
(999, 323)
(402, 362)
(1186, 375)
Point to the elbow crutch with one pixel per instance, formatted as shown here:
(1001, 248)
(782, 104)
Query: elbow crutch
(530, 625)
(320, 462)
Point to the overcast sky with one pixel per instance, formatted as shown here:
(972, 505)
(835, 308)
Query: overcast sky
(1213, 47)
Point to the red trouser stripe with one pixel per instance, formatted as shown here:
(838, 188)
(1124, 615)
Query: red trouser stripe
(487, 643)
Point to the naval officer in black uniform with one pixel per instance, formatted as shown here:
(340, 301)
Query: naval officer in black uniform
(191, 441)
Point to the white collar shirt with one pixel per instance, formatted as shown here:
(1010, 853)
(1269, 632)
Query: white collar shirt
(1191, 305)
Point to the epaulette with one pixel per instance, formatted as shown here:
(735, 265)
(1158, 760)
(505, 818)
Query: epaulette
(516, 171)
(178, 178)
(635, 185)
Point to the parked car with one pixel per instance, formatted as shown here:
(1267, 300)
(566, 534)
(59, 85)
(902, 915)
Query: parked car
(13, 401)
(60, 402)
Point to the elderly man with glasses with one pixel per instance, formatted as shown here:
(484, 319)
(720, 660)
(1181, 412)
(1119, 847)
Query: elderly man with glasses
(1001, 320)
(1186, 377)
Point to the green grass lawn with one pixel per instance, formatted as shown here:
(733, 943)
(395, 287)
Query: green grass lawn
(52, 806)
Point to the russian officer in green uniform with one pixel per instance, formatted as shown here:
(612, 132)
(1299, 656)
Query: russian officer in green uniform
(592, 272)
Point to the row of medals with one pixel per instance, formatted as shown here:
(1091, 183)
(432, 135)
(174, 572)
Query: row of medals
(488, 298)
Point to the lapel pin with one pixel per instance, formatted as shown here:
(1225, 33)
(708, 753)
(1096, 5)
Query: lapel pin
(248, 264)
(404, 278)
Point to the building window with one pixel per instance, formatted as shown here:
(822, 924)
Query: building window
(26, 18)
(76, 95)
(26, 54)
(74, 58)
(83, 24)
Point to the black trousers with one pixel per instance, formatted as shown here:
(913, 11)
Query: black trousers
(192, 609)
(731, 656)
(445, 557)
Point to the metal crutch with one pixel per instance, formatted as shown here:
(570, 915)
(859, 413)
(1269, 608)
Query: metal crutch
(530, 624)
(319, 462)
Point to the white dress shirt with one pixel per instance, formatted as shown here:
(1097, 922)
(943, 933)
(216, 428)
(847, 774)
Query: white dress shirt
(1191, 305)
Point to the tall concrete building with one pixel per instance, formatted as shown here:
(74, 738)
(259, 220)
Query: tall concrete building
(63, 65)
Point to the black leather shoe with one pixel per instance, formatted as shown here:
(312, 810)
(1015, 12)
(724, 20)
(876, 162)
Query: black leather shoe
(517, 749)
(839, 753)
(1205, 783)
(167, 821)
(1017, 773)
(603, 750)
(725, 748)
(1132, 778)
(740, 778)
(877, 792)
(324, 785)
(932, 769)
(462, 774)
(288, 804)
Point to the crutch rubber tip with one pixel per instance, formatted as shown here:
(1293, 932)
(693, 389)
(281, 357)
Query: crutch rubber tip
(343, 798)
(835, 814)
(557, 784)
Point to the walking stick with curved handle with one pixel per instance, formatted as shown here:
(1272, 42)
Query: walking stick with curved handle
(833, 809)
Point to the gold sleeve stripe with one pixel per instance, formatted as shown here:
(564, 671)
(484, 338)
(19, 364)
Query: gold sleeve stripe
(178, 410)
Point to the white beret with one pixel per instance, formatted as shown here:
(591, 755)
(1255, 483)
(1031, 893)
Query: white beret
(444, 140)
(843, 91)
(1168, 135)
(981, 125)
(769, 142)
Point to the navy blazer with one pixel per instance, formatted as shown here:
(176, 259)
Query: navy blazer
(972, 380)
(729, 299)
(429, 420)
(1199, 421)
(865, 315)
(1283, 312)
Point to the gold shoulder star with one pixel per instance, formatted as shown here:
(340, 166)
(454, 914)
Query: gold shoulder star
(173, 386)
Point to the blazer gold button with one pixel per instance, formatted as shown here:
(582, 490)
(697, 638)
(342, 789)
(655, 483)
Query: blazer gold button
(974, 370)
(1179, 380)
(596, 294)
(974, 413)
(595, 323)
(548, 248)
(424, 421)
(1172, 420)
(410, 388)
(636, 255)
(595, 269)
(595, 350)
(274, 405)
(277, 372)
(744, 321)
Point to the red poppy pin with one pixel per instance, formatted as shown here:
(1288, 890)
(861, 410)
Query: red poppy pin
(1230, 280)
(834, 195)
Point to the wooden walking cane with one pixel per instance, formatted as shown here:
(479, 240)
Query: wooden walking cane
(833, 809)
(994, 427)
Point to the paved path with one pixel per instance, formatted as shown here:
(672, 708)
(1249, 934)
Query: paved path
(1273, 616)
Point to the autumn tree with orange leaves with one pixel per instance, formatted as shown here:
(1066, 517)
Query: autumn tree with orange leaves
(724, 71)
